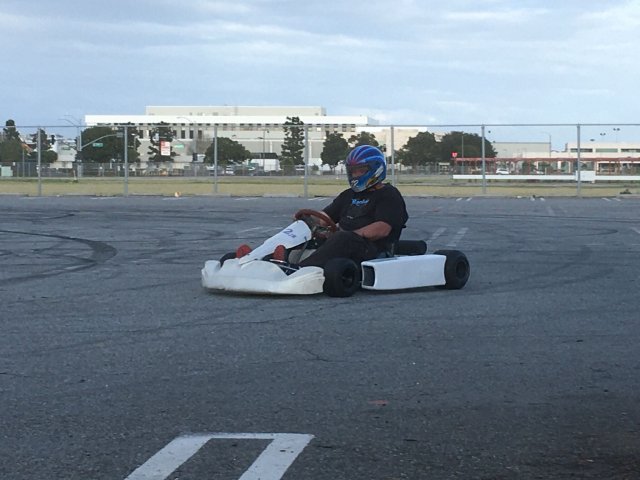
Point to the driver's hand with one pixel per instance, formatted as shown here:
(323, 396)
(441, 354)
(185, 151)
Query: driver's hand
(304, 215)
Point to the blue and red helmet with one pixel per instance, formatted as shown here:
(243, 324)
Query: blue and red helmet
(366, 167)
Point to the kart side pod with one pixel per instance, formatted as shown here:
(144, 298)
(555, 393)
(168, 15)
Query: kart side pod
(444, 268)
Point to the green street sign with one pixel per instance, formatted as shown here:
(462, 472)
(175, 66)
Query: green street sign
(97, 144)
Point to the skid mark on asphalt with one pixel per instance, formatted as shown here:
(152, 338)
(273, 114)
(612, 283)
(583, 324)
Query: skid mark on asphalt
(247, 230)
(271, 464)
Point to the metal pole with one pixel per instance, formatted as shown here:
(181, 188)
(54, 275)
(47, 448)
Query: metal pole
(393, 158)
(306, 161)
(39, 162)
(126, 161)
(215, 159)
(579, 168)
(264, 145)
(484, 176)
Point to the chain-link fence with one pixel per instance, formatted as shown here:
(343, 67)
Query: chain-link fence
(304, 154)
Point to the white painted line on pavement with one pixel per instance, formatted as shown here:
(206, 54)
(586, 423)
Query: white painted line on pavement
(436, 234)
(274, 460)
(458, 199)
(637, 230)
(457, 237)
(469, 199)
(606, 199)
(271, 464)
(163, 463)
(617, 199)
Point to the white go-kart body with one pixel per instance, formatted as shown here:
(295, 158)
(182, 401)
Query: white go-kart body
(253, 273)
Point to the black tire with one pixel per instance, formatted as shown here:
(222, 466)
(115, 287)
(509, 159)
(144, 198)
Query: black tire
(227, 256)
(456, 269)
(342, 277)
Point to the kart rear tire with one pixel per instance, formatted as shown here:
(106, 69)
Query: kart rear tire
(456, 269)
(227, 256)
(342, 277)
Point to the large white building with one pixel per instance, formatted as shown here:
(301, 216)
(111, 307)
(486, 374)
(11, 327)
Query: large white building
(258, 128)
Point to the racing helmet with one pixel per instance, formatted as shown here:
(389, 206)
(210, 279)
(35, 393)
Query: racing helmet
(366, 167)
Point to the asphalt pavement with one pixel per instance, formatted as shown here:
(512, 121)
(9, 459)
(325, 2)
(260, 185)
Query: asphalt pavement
(116, 364)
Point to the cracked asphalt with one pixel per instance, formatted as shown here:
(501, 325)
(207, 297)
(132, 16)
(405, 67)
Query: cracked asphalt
(110, 349)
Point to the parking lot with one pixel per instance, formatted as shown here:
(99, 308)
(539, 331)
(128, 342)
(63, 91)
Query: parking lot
(115, 364)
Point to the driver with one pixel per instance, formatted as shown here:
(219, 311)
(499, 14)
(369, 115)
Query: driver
(370, 214)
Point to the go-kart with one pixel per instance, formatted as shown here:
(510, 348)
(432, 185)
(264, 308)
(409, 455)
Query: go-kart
(407, 265)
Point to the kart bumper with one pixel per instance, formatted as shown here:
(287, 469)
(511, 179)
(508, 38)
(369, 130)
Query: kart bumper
(261, 277)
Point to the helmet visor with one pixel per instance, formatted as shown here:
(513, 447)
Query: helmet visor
(356, 171)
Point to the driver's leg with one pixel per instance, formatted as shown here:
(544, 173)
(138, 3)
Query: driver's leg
(342, 244)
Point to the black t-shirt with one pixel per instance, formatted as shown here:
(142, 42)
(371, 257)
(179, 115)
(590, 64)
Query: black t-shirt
(353, 210)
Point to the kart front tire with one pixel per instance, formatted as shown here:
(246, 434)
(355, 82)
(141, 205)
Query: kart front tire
(342, 277)
(456, 269)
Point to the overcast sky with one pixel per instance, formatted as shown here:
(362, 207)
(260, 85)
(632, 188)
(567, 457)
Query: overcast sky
(399, 61)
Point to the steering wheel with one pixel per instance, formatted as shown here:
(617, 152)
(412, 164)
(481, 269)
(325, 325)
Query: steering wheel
(313, 219)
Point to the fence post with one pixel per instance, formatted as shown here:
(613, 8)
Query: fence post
(484, 173)
(39, 162)
(306, 161)
(126, 161)
(215, 158)
(393, 157)
(579, 161)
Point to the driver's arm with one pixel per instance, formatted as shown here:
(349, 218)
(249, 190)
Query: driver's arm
(374, 231)
(321, 221)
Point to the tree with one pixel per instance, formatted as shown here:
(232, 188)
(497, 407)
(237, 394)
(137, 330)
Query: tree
(465, 145)
(334, 150)
(229, 151)
(99, 144)
(46, 154)
(10, 132)
(102, 144)
(161, 137)
(12, 148)
(419, 150)
(293, 145)
(363, 138)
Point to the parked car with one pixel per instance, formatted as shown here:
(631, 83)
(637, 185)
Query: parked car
(502, 171)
